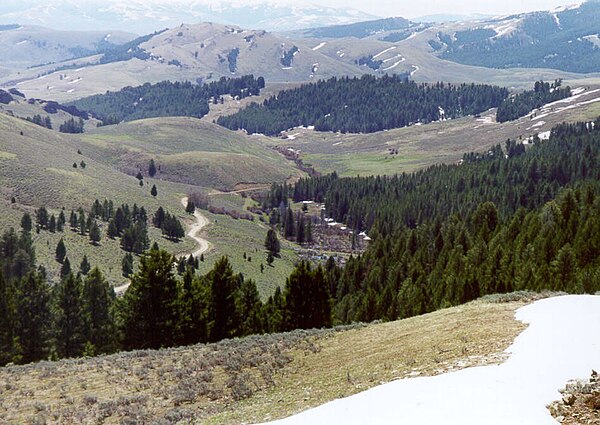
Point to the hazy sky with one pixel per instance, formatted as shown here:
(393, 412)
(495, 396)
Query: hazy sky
(413, 8)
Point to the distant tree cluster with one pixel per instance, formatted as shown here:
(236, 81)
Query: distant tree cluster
(72, 126)
(374, 64)
(52, 107)
(42, 122)
(294, 226)
(232, 59)
(169, 224)
(338, 104)
(166, 99)
(288, 56)
(525, 103)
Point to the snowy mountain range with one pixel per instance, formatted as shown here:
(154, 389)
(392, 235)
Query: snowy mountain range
(143, 17)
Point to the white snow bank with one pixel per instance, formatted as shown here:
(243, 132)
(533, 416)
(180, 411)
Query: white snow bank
(545, 135)
(394, 65)
(383, 52)
(319, 46)
(560, 344)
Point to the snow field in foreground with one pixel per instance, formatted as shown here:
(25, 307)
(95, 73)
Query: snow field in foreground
(561, 343)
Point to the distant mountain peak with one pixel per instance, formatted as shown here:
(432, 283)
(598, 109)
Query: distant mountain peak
(144, 16)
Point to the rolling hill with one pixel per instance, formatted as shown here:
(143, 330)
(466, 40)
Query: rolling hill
(143, 17)
(426, 52)
(564, 39)
(23, 46)
(36, 169)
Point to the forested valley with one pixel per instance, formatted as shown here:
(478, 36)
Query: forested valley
(363, 105)
(508, 219)
(505, 220)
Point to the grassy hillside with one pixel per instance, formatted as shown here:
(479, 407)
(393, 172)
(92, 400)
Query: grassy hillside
(258, 378)
(188, 151)
(36, 168)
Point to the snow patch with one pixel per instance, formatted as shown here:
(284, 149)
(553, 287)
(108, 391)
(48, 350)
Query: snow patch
(314, 49)
(505, 28)
(560, 344)
(545, 135)
(594, 39)
(416, 68)
(383, 52)
(394, 65)
(486, 120)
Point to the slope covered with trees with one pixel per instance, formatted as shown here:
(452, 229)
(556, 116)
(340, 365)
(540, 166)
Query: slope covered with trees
(523, 103)
(363, 105)
(508, 219)
(563, 40)
(497, 223)
(166, 99)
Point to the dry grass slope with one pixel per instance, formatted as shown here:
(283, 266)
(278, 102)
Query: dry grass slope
(256, 378)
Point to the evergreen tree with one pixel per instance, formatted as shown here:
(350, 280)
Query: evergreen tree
(60, 223)
(127, 265)
(69, 321)
(33, 319)
(7, 322)
(82, 222)
(153, 191)
(95, 235)
(272, 243)
(289, 230)
(223, 315)
(159, 217)
(26, 222)
(61, 251)
(250, 309)
(193, 301)
(73, 222)
(152, 169)
(98, 298)
(190, 207)
(112, 231)
(172, 228)
(307, 299)
(84, 267)
(52, 224)
(150, 311)
(65, 270)
(42, 217)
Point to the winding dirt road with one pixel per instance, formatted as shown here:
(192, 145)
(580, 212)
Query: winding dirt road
(201, 222)
(203, 244)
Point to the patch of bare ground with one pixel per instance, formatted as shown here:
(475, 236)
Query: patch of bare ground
(257, 378)
(580, 403)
